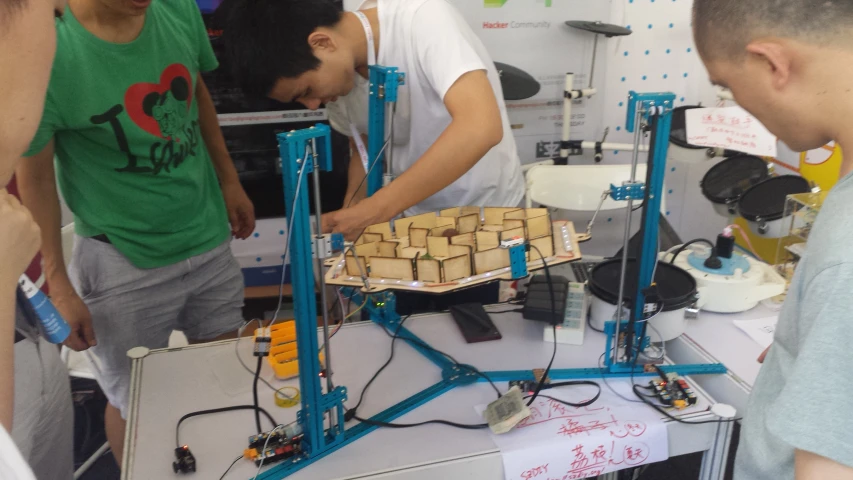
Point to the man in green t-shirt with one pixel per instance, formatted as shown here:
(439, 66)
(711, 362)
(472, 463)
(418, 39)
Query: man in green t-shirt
(143, 166)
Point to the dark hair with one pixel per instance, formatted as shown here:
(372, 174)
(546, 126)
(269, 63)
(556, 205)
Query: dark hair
(266, 40)
(725, 27)
(8, 8)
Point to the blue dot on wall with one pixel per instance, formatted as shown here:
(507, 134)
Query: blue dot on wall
(665, 76)
(682, 99)
(281, 232)
(609, 219)
(689, 50)
(618, 128)
(258, 259)
(667, 213)
(644, 77)
(257, 235)
(621, 103)
(623, 79)
(671, 25)
(628, 27)
(668, 50)
(626, 54)
(670, 191)
(673, 169)
(615, 152)
(650, 25)
(685, 75)
(647, 52)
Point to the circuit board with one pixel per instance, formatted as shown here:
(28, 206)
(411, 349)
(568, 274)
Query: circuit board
(275, 449)
(673, 391)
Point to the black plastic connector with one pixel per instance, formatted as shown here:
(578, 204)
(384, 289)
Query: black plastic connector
(185, 461)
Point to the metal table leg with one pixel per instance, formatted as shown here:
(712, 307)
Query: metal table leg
(715, 459)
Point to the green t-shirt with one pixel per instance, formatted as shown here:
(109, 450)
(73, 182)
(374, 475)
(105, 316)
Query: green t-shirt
(130, 159)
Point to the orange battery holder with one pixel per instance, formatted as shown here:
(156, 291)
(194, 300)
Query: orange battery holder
(283, 358)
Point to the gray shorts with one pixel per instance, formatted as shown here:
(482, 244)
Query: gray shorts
(202, 296)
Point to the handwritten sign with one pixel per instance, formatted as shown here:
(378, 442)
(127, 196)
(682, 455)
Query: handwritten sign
(760, 330)
(731, 128)
(559, 442)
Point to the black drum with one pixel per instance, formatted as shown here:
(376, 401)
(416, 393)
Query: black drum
(763, 205)
(726, 181)
(676, 287)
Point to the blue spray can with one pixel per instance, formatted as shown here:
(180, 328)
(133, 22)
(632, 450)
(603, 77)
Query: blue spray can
(55, 329)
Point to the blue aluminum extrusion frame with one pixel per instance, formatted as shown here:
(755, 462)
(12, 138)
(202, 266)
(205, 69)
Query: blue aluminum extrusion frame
(318, 442)
(384, 82)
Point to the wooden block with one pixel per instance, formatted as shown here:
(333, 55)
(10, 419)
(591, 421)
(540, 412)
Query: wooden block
(487, 240)
(544, 244)
(403, 225)
(468, 223)
(367, 249)
(471, 210)
(372, 237)
(445, 222)
(519, 214)
(353, 266)
(392, 268)
(388, 249)
(457, 250)
(456, 268)
(441, 230)
(536, 212)
(438, 246)
(383, 229)
(538, 226)
(515, 232)
(411, 252)
(492, 228)
(450, 212)
(464, 239)
(495, 215)
(489, 260)
(401, 244)
(429, 271)
(418, 237)
(510, 224)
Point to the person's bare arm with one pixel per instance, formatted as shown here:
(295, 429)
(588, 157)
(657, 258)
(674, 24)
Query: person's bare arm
(241, 212)
(810, 466)
(475, 129)
(19, 242)
(356, 183)
(37, 185)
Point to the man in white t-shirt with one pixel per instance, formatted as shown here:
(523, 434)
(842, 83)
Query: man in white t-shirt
(452, 141)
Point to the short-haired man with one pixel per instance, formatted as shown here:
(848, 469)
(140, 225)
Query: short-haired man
(452, 139)
(789, 63)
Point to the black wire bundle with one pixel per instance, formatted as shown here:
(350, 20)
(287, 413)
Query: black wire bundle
(219, 410)
(255, 394)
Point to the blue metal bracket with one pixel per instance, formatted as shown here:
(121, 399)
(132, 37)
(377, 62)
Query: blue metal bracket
(299, 151)
(381, 307)
(384, 82)
(518, 261)
(628, 191)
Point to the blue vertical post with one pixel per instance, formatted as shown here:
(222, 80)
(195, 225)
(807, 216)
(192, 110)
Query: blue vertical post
(383, 90)
(295, 164)
(658, 112)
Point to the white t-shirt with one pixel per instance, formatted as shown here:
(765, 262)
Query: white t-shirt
(12, 465)
(431, 43)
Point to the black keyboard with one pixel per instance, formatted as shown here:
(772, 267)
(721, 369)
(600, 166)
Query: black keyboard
(582, 271)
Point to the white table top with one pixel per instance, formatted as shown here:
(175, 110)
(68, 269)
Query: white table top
(177, 381)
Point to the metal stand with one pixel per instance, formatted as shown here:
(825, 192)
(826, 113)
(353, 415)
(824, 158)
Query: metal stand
(320, 441)
(383, 94)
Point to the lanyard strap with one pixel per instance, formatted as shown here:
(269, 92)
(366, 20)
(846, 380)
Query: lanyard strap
(371, 60)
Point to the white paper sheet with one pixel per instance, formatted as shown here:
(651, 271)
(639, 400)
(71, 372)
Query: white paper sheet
(760, 330)
(730, 127)
(558, 442)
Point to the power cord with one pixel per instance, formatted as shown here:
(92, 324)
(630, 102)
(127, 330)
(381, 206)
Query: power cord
(255, 394)
(553, 326)
(230, 467)
(691, 242)
(218, 410)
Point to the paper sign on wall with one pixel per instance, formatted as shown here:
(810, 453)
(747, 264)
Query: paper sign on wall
(731, 128)
(563, 442)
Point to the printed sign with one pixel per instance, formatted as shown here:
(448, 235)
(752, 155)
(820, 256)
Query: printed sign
(730, 128)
